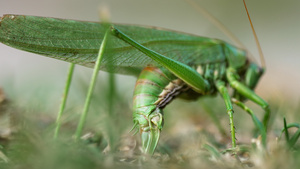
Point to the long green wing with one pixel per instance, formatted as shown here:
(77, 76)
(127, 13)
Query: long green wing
(79, 42)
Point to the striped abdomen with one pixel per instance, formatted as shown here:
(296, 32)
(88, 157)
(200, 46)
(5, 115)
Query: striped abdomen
(156, 87)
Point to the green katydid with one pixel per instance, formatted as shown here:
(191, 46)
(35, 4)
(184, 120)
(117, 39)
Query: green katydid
(170, 63)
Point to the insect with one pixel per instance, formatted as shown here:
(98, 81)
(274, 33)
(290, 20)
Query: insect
(171, 63)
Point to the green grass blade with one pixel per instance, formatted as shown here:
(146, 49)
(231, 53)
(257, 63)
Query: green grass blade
(287, 137)
(91, 88)
(294, 138)
(290, 141)
(213, 151)
(64, 100)
(290, 125)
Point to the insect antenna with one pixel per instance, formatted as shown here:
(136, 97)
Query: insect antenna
(216, 22)
(220, 26)
(261, 55)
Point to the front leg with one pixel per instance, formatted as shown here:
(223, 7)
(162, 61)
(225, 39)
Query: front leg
(224, 92)
(248, 93)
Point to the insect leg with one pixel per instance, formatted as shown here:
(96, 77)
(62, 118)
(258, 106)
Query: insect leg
(257, 123)
(232, 77)
(224, 92)
(182, 71)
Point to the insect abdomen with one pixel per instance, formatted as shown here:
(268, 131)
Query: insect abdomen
(155, 88)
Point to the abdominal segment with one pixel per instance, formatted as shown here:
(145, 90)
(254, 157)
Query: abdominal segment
(155, 88)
